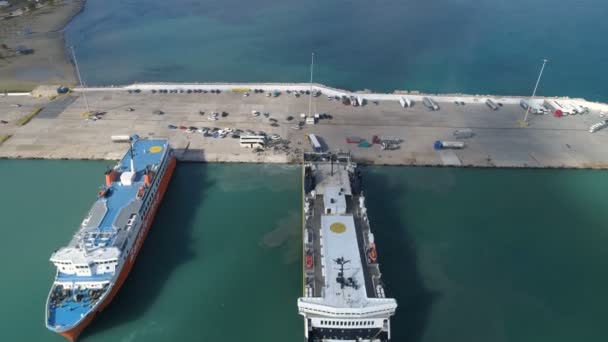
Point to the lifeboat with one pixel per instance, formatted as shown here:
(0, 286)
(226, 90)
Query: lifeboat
(373, 255)
(102, 192)
(140, 192)
(148, 177)
(111, 176)
(309, 261)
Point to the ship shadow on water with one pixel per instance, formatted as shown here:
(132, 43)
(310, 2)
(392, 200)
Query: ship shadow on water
(166, 248)
(398, 259)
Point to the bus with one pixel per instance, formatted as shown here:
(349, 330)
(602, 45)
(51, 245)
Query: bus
(314, 142)
(253, 141)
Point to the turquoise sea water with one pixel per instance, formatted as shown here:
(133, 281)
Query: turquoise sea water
(470, 254)
(225, 246)
(473, 46)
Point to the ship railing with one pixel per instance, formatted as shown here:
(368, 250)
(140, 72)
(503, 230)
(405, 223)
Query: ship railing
(375, 307)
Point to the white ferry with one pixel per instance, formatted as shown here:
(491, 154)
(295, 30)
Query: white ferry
(344, 298)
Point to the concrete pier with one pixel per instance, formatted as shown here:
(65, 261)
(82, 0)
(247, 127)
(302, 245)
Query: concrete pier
(60, 131)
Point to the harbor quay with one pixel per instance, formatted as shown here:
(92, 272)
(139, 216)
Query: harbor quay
(79, 125)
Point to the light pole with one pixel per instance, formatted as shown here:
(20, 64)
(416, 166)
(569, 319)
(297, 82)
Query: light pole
(84, 93)
(540, 74)
(312, 65)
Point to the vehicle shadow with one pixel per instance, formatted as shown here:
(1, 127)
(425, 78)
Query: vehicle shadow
(167, 246)
(398, 258)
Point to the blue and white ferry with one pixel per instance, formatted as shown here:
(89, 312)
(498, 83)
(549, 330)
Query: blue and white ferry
(98, 259)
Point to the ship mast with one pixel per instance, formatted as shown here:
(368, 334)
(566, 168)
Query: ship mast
(131, 140)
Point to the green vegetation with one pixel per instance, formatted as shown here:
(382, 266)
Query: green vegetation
(24, 120)
(3, 138)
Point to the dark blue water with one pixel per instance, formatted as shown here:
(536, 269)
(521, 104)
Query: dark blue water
(473, 46)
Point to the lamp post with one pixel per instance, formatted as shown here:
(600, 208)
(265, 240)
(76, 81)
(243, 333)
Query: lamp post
(540, 74)
(84, 93)
(312, 65)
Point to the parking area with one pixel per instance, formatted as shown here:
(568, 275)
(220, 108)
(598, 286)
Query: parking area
(207, 126)
(13, 109)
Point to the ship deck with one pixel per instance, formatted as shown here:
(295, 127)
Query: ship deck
(326, 247)
(63, 277)
(111, 213)
(145, 152)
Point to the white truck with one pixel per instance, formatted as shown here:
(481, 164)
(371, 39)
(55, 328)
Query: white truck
(430, 104)
(405, 102)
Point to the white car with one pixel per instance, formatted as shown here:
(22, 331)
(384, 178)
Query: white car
(255, 113)
(212, 118)
(275, 137)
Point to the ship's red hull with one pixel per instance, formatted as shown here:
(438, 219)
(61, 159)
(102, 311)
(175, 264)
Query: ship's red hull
(73, 333)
